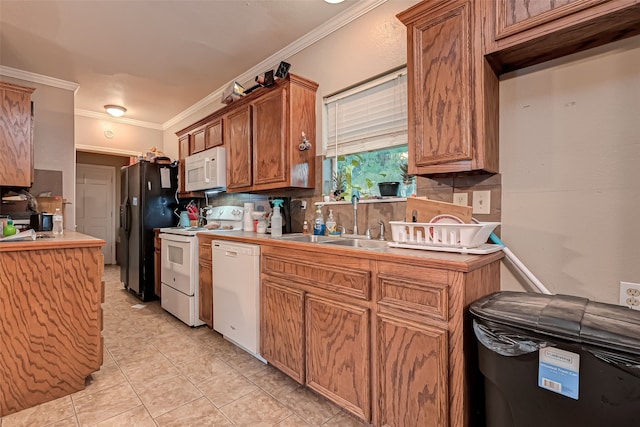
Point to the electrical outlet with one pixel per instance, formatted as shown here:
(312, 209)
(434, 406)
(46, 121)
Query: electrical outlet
(461, 199)
(481, 202)
(630, 295)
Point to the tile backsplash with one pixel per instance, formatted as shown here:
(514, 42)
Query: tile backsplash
(439, 188)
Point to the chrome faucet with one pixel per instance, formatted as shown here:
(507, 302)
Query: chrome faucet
(355, 198)
(381, 237)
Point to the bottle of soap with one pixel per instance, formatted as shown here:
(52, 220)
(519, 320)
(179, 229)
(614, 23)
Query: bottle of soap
(318, 223)
(331, 223)
(9, 229)
(276, 219)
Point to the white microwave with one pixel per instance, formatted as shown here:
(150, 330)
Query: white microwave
(206, 170)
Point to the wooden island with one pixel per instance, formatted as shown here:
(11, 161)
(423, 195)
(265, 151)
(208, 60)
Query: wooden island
(51, 292)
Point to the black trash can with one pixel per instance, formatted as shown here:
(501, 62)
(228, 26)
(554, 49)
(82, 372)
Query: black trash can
(557, 360)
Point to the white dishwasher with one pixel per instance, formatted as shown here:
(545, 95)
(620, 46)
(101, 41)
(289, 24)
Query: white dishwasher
(236, 293)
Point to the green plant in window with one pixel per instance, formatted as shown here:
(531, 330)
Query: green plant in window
(339, 184)
(407, 178)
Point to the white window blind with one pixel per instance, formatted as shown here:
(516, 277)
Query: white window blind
(369, 117)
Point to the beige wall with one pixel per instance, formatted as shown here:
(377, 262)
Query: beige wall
(53, 137)
(370, 45)
(569, 156)
(127, 138)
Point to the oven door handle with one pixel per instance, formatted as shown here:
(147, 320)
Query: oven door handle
(176, 238)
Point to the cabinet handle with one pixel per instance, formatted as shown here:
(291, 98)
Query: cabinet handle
(305, 144)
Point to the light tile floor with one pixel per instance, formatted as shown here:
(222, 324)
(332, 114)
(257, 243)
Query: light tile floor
(157, 371)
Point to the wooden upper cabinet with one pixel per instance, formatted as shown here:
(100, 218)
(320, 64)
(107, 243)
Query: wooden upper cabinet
(183, 152)
(521, 33)
(279, 116)
(237, 134)
(452, 92)
(16, 136)
(517, 16)
(269, 139)
(196, 142)
(262, 134)
(213, 134)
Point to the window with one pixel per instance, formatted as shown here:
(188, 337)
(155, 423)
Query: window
(365, 130)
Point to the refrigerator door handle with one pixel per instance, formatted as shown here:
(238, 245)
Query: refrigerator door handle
(127, 218)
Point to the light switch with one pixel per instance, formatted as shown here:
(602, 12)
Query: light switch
(481, 202)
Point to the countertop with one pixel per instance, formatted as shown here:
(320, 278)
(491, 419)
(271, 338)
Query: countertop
(456, 261)
(70, 239)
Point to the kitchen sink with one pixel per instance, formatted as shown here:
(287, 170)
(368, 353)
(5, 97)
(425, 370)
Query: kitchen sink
(358, 243)
(308, 238)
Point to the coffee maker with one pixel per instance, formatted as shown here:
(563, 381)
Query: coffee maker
(285, 211)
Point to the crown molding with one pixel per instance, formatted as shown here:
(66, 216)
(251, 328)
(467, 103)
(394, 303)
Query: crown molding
(38, 78)
(359, 9)
(106, 150)
(124, 120)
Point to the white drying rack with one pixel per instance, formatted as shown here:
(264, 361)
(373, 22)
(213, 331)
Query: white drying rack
(462, 238)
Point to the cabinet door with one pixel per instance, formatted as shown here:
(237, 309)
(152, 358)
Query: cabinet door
(270, 144)
(338, 353)
(183, 152)
(443, 110)
(237, 134)
(16, 144)
(517, 16)
(412, 374)
(197, 143)
(213, 134)
(282, 328)
(205, 284)
(452, 92)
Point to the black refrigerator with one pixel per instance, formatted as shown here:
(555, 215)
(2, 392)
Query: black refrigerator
(148, 202)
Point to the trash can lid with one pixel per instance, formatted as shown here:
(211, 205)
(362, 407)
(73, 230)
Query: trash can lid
(564, 316)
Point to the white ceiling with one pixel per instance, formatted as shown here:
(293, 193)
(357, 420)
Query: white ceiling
(155, 57)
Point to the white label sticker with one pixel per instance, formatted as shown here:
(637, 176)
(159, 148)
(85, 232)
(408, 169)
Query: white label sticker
(559, 371)
(165, 178)
(134, 201)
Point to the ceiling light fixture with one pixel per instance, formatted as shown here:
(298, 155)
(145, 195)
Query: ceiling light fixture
(334, 1)
(115, 110)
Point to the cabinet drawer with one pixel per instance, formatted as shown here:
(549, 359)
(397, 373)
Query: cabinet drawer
(342, 275)
(413, 290)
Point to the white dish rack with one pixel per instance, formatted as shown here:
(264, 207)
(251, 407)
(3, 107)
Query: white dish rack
(463, 238)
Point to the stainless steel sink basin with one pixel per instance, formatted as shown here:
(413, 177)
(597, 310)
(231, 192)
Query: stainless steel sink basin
(358, 243)
(308, 238)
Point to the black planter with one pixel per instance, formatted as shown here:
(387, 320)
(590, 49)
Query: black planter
(388, 188)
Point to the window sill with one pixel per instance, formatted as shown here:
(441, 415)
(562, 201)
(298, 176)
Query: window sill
(348, 202)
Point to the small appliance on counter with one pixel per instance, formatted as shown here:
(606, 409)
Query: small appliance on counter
(41, 221)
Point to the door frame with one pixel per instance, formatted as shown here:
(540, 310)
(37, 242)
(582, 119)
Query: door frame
(114, 204)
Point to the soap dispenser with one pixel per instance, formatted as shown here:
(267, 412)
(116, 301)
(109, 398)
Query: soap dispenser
(276, 219)
(331, 223)
(318, 223)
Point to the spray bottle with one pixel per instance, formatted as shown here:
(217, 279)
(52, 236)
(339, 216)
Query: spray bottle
(276, 219)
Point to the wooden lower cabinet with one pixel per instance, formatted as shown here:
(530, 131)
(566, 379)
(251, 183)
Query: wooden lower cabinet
(205, 282)
(412, 374)
(282, 328)
(338, 353)
(385, 338)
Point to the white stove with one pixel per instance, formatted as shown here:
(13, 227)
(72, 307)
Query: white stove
(180, 259)
(219, 218)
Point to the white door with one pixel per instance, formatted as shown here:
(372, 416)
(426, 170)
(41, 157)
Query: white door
(95, 198)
